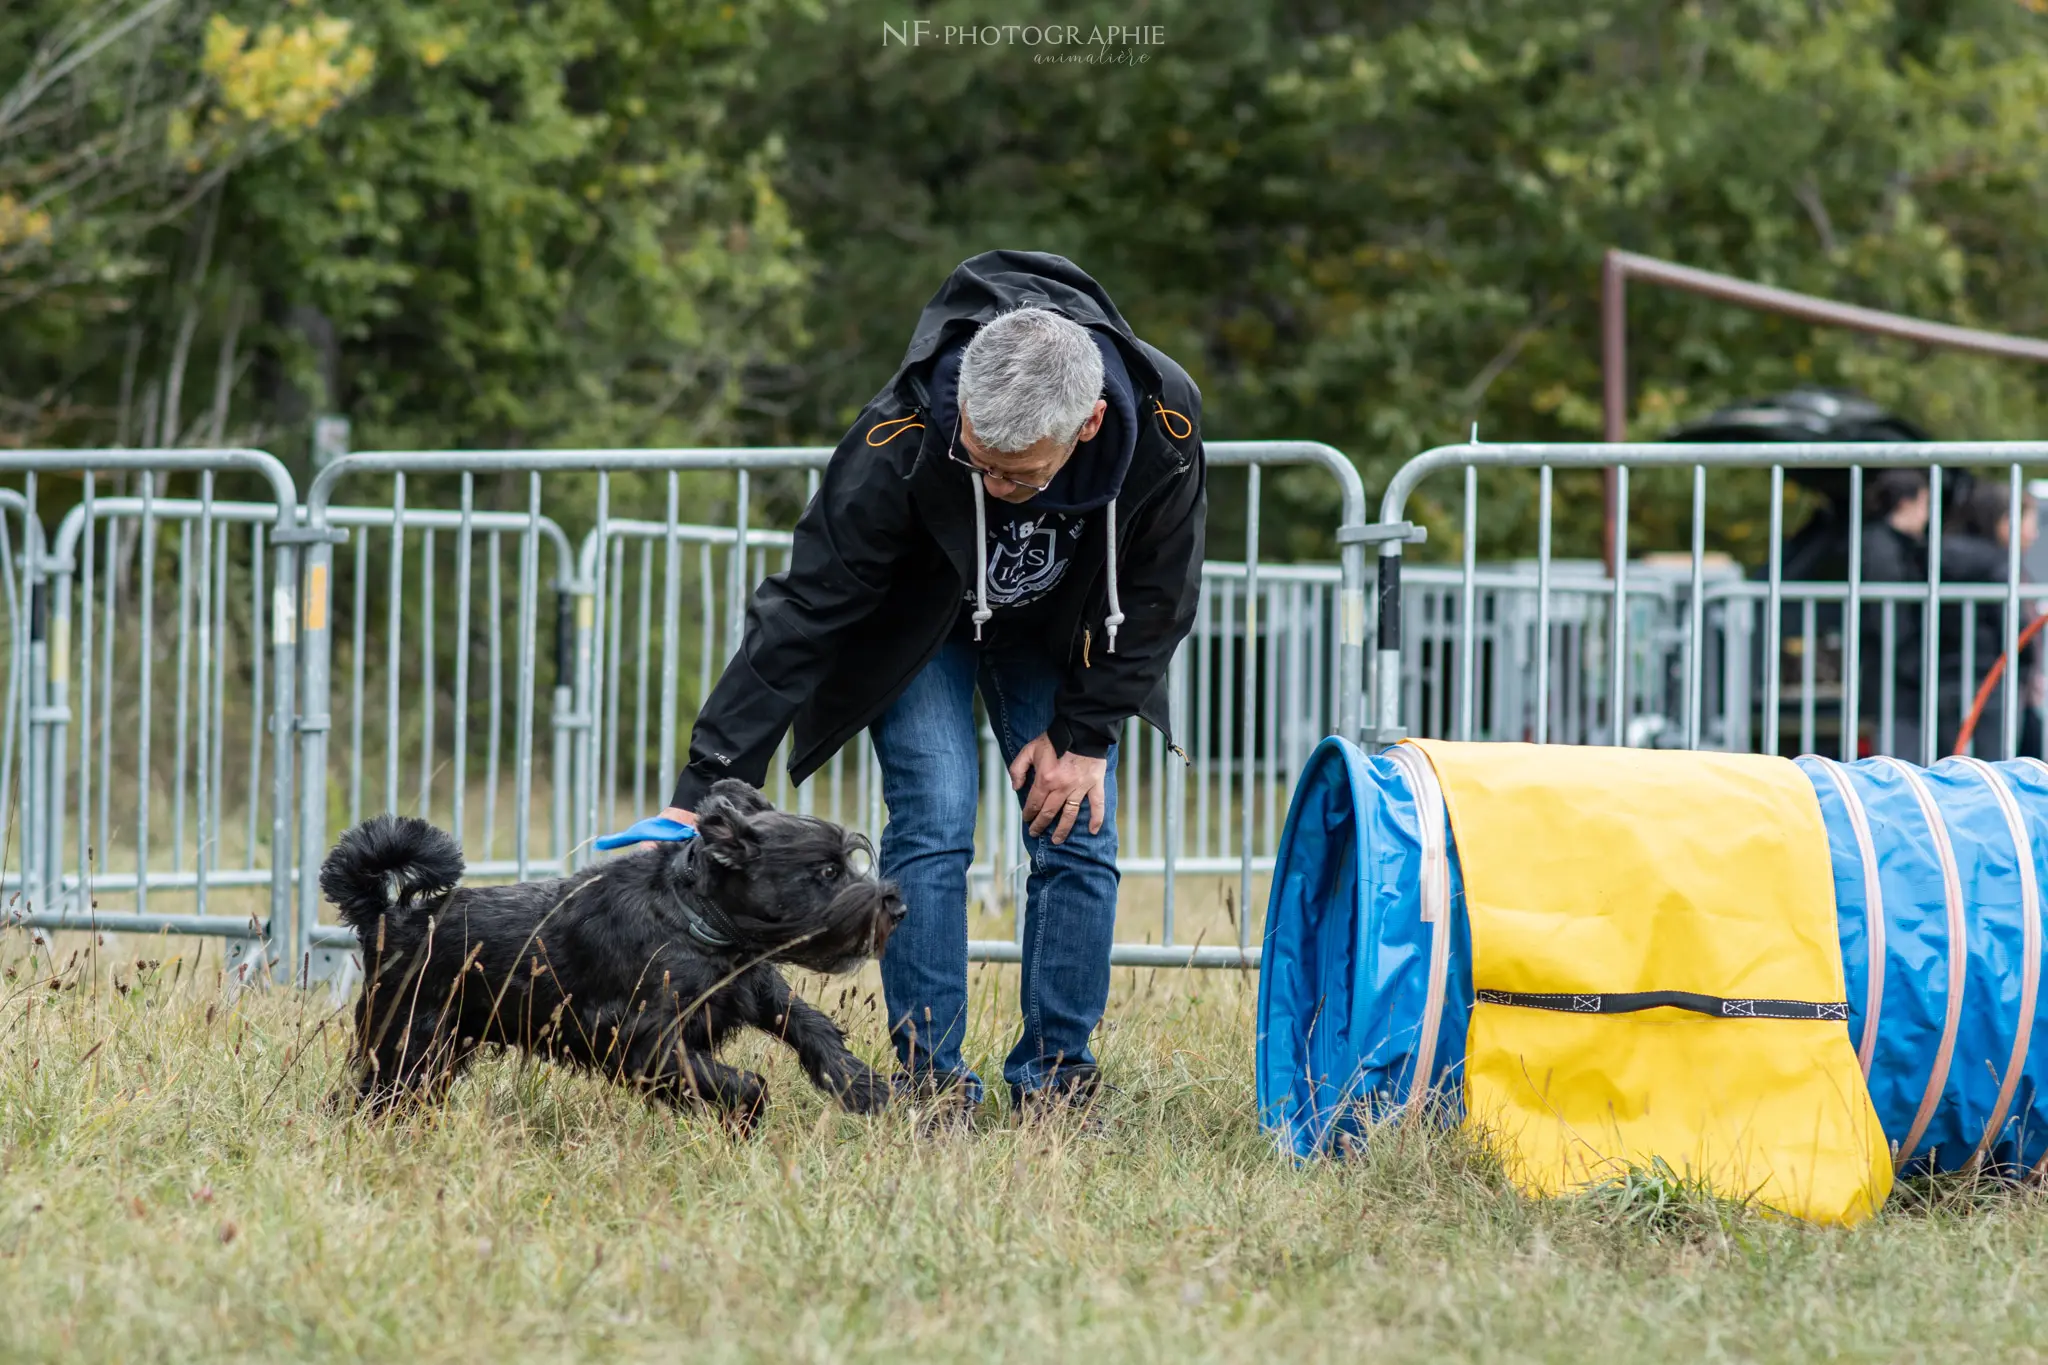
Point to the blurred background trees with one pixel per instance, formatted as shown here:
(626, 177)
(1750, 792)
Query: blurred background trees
(472, 223)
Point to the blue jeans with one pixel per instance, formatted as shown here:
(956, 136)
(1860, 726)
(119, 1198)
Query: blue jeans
(931, 780)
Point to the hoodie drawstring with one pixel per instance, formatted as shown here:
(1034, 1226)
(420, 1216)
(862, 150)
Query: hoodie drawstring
(982, 613)
(981, 608)
(1116, 611)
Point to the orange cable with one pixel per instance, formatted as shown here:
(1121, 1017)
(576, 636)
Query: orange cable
(1969, 730)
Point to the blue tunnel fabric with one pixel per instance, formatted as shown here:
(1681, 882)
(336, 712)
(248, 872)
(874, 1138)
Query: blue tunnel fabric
(1931, 1037)
(1342, 990)
(1938, 875)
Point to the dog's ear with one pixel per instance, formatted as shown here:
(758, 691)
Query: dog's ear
(741, 795)
(726, 832)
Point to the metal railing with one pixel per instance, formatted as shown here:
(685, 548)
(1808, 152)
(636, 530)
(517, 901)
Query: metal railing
(152, 762)
(1701, 651)
(1289, 639)
(43, 898)
(275, 671)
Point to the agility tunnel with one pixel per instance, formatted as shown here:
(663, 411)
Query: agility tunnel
(1793, 979)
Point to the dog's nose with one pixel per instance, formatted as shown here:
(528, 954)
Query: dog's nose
(897, 910)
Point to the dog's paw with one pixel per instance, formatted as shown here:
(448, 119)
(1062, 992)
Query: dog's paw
(743, 1103)
(864, 1091)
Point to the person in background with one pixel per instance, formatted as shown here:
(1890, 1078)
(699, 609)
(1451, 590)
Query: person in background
(2033, 677)
(1894, 551)
(1978, 551)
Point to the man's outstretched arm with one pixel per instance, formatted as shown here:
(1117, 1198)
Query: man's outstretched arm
(840, 562)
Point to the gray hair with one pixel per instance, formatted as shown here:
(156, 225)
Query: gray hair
(1028, 375)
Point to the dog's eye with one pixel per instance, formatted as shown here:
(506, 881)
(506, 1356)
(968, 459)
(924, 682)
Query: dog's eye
(829, 872)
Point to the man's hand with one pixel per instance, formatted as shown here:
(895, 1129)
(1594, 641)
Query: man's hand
(677, 814)
(1058, 787)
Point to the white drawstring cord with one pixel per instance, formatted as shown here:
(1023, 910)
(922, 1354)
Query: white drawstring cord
(982, 613)
(1116, 611)
(981, 607)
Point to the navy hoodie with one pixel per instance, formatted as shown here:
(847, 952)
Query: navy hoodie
(1031, 545)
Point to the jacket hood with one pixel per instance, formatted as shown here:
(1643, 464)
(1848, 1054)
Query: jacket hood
(985, 286)
(1095, 474)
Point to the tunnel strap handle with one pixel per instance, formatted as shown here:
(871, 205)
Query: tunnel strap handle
(1631, 1002)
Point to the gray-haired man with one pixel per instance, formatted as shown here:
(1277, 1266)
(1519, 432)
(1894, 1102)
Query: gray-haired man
(1019, 515)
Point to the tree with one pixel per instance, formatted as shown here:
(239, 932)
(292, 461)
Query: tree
(461, 224)
(119, 121)
(1376, 224)
(519, 237)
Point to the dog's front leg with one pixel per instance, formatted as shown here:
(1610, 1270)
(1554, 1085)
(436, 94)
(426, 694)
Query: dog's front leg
(819, 1046)
(685, 1077)
(739, 1096)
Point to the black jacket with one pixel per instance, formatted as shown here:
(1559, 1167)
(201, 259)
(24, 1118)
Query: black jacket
(885, 554)
(1891, 556)
(1968, 558)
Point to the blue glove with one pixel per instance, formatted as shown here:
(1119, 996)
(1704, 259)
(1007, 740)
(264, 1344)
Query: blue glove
(654, 829)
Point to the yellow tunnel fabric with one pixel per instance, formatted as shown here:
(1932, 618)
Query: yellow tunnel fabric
(1595, 872)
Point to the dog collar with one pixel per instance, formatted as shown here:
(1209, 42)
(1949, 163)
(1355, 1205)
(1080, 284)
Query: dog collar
(701, 930)
(661, 829)
(700, 920)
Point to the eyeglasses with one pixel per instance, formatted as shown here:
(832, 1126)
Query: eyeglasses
(953, 455)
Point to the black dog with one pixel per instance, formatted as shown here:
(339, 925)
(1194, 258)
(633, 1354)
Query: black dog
(638, 968)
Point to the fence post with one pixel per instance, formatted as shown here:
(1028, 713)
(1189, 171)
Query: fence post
(593, 605)
(13, 750)
(33, 806)
(316, 656)
(1387, 683)
(584, 701)
(284, 642)
(56, 712)
(564, 714)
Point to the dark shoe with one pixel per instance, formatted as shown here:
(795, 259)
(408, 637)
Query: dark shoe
(939, 1104)
(1072, 1095)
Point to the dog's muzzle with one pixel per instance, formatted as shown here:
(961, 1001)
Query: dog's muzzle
(853, 930)
(889, 912)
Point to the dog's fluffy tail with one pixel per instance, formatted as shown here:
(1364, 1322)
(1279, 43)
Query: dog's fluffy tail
(385, 863)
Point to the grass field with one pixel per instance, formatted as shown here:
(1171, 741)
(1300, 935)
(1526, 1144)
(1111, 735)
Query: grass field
(172, 1188)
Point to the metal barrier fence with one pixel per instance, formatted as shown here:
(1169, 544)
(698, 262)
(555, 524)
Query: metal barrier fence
(65, 581)
(1277, 660)
(1505, 632)
(1562, 652)
(167, 659)
(197, 682)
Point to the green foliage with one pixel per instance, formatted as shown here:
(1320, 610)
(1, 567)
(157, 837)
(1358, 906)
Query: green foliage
(116, 121)
(520, 235)
(1376, 227)
(1664, 1202)
(117, 117)
(686, 221)
(518, 232)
